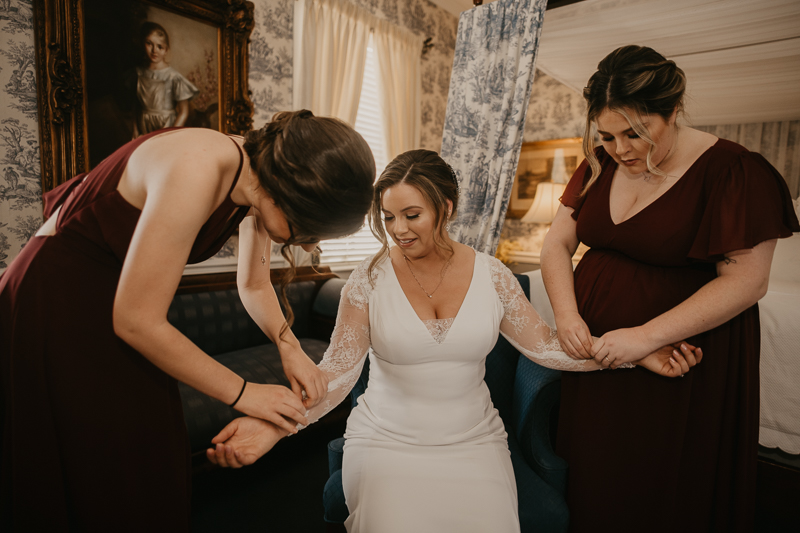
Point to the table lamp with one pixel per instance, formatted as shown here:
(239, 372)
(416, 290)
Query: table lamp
(545, 202)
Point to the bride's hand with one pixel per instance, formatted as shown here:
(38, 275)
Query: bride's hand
(668, 361)
(243, 442)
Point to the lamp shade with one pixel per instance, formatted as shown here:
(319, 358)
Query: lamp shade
(545, 203)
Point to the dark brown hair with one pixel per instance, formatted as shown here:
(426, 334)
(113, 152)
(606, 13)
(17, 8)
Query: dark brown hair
(633, 81)
(432, 177)
(319, 171)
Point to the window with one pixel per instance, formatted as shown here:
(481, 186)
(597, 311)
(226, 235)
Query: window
(347, 252)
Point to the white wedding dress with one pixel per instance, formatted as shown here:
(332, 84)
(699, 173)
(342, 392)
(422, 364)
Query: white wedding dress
(425, 449)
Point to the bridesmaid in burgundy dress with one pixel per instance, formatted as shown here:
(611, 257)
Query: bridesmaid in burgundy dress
(93, 431)
(682, 227)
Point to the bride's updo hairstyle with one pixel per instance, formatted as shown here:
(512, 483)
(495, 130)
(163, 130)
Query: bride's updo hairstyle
(633, 81)
(432, 177)
(319, 171)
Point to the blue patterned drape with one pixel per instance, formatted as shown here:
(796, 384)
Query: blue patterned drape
(490, 87)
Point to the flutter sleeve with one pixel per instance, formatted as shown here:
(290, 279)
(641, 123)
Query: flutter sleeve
(572, 194)
(527, 332)
(350, 341)
(747, 203)
(183, 89)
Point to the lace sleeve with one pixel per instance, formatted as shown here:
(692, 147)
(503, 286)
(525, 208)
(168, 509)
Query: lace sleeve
(527, 331)
(344, 358)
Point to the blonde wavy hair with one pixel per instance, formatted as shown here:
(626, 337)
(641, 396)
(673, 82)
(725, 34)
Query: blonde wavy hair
(633, 81)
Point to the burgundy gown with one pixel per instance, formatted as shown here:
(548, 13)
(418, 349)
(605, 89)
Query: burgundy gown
(645, 452)
(93, 433)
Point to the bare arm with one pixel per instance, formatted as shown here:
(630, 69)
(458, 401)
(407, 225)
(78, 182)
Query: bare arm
(245, 440)
(556, 258)
(178, 180)
(261, 302)
(742, 279)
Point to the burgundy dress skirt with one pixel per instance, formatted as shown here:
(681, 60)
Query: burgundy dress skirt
(645, 452)
(93, 433)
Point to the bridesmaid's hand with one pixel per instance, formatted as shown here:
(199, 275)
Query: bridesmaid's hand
(304, 375)
(668, 361)
(624, 345)
(574, 336)
(243, 442)
(273, 403)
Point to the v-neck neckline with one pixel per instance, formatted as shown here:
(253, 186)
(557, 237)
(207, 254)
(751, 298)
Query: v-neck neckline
(614, 169)
(414, 311)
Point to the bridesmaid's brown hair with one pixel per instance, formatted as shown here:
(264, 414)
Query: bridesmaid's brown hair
(319, 171)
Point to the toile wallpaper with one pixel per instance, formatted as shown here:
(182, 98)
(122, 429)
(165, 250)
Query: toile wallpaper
(555, 111)
(20, 178)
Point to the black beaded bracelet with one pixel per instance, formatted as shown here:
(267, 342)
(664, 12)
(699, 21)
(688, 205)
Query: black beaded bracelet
(240, 394)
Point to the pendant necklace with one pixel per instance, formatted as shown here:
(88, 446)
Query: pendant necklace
(441, 279)
(255, 222)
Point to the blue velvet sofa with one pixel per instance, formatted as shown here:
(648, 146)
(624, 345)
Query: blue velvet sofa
(527, 397)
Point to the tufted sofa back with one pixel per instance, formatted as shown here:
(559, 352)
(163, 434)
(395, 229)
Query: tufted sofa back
(218, 323)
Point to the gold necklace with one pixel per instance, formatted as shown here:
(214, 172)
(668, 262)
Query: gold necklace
(441, 279)
(255, 222)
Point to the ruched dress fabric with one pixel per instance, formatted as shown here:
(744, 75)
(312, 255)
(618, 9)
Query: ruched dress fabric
(647, 453)
(425, 449)
(93, 433)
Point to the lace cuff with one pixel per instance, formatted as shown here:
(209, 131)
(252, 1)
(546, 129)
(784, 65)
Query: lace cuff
(527, 331)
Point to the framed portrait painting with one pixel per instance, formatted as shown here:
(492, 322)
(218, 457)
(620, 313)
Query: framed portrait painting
(111, 71)
(537, 162)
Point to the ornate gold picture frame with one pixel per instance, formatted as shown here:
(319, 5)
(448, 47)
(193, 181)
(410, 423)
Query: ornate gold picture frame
(64, 29)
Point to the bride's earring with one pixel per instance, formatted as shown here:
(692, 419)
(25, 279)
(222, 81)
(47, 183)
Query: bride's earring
(447, 224)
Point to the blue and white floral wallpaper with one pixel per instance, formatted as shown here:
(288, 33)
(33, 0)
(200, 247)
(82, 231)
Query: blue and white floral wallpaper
(271, 58)
(555, 111)
(20, 178)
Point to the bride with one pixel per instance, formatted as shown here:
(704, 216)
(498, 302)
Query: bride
(425, 448)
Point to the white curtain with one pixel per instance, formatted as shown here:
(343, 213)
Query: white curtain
(399, 53)
(490, 87)
(329, 68)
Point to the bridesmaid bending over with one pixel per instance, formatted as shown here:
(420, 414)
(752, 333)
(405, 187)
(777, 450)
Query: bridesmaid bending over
(93, 432)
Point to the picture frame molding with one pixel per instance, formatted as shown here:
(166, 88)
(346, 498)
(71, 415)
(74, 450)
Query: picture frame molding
(59, 34)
